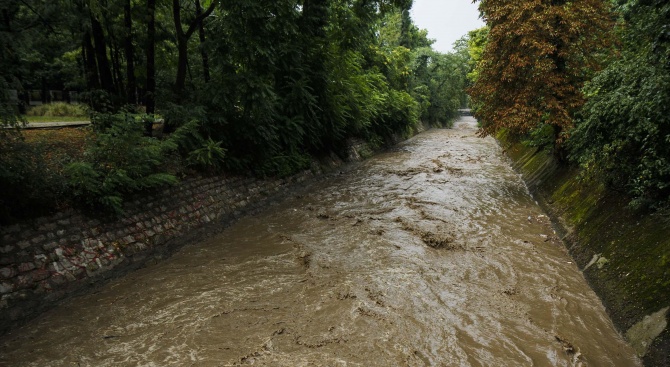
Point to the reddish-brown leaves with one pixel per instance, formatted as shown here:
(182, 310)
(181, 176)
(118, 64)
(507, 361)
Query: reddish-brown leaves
(539, 54)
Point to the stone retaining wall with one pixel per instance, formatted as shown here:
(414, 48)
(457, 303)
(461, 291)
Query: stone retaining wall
(52, 257)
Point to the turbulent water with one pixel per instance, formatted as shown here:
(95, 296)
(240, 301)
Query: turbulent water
(433, 254)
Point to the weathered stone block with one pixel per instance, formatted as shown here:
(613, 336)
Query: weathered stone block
(78, 272)
(6, 287)
(39, 274)
(69, 277)
(40, 260)
(43, 287)
(47, 227)
(57, 279)
(24, 281)
(24, 267)
(8, 272)
(64, 222)
(23, 244)
(65, 263)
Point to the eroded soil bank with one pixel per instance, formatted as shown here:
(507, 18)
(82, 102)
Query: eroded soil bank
(433, 254)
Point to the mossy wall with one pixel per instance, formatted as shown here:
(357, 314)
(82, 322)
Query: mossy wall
(624, 254)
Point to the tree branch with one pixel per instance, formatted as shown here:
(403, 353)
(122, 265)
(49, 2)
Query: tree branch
(200, 18)
(44, 21)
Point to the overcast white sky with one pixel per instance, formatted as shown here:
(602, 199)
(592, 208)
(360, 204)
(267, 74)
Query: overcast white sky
(446, 20)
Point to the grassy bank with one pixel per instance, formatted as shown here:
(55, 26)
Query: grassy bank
(624, 254)
(41, 119)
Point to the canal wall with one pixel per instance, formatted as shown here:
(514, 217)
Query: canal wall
(48, 259)
(624, 254)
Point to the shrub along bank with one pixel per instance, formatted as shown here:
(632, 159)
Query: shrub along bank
(624, 253)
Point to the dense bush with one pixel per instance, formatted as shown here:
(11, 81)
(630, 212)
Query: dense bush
(119, 162)
(623, 133)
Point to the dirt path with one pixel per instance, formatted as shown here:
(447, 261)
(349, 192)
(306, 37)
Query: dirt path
(433, 254)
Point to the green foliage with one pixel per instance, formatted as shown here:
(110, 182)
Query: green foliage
(59, 109)
(269, 83)
(623, 133)
(209, 157)
(476, 41)
(285, 165)
(119, 162)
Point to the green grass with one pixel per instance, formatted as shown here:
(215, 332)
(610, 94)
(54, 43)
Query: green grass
(40, 119)
(59, 109)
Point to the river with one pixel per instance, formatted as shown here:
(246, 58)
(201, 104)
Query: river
(430, 254)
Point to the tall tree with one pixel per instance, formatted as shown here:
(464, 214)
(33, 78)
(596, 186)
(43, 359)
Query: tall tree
(182, 40)
(201, 36)
(538, 56)
(131, 86)
(104, 68)
(150, 95)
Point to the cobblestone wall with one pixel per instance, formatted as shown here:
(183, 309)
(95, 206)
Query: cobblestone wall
(47, 259)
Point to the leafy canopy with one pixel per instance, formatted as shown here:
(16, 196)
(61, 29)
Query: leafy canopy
(538, 55)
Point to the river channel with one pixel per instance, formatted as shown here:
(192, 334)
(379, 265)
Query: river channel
(430, 254)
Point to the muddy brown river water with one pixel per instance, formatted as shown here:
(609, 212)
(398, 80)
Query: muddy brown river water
(432, 254)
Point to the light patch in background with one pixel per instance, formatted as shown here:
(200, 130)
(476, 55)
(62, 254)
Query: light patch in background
(446, 20)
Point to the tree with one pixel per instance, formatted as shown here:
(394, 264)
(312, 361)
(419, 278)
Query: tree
(131, 86)
(150, 95)
(183, 37)
(538, 56)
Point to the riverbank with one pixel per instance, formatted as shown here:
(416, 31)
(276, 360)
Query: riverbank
(624, 254)
(48, 259)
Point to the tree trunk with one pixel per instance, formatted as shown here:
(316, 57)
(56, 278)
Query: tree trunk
(90, 66)
(151, 58)
(116, 66)
(104, 69)
(131, 86)
(45, 91)
(182, 42)
(182, 50)
(201, 34)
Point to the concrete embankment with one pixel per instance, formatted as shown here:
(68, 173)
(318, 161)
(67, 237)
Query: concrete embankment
(624, 254)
